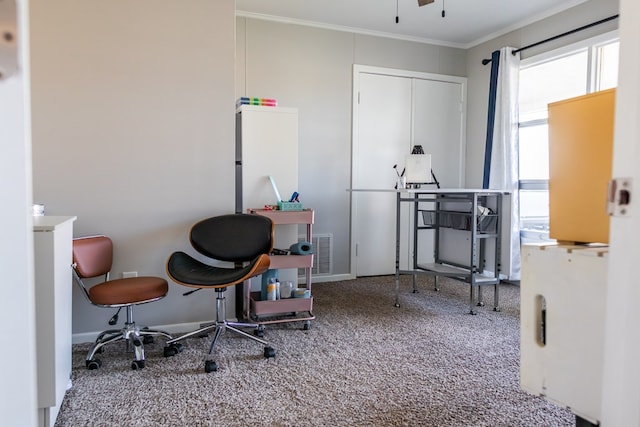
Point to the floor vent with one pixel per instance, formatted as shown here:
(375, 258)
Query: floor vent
(322, 254)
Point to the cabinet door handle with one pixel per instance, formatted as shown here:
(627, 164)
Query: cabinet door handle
(540, 328)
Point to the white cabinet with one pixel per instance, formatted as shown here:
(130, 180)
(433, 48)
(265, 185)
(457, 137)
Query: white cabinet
(53, 237)
(563, 294)
(267, 145)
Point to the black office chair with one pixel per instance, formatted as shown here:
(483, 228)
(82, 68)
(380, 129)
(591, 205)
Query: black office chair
(92, 258)
(242, 239)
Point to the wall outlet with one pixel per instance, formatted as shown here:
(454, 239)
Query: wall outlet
(128, 274)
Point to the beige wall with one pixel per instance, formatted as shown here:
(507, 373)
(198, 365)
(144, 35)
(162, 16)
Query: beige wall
(311, 69)
(133, 130)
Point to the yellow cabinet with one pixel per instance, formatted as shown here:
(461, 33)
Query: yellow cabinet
(580, 157)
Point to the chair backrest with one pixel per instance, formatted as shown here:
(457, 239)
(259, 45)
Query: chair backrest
(92, 256)
(233, 237)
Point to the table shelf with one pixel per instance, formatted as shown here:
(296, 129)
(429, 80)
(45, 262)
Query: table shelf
(476, 214)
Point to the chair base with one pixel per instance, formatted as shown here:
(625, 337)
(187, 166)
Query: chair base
(219, 327)
(131, 334)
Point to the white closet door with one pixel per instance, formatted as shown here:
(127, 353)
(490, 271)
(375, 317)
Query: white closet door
(438, 127)
(384, 134)
(394, 111)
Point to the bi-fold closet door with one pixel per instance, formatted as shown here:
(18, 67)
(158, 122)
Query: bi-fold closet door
(392, 111)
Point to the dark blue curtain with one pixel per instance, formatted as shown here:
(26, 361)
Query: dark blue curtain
(491, 116)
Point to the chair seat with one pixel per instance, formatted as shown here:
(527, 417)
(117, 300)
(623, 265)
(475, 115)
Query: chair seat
(132, 290)
(191, 272)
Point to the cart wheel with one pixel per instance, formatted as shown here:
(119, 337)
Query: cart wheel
(269, 352)
(210, 366)
(307, 325)
(137, 364)
(259, 331)
(93, 364)
(172, 349)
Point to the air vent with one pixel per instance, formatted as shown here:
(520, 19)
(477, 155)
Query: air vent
(322, 254)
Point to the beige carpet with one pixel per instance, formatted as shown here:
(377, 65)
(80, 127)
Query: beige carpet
(363, 362)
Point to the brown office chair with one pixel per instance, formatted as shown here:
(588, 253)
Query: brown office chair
(93, 257)
(242, 239)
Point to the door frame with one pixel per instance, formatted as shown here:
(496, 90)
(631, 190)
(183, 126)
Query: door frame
(621, 373)
(393, 72)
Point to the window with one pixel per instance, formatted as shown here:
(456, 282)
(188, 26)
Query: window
(572, 71)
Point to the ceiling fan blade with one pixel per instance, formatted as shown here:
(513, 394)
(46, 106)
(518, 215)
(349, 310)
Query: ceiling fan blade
(424, 2)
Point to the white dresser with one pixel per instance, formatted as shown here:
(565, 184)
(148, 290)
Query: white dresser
(53, 238)
(562, 298)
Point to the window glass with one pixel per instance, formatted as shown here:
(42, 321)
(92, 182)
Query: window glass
(608, 66)
(551, 81)
(534, 152)
(590, 67)
(534, 210)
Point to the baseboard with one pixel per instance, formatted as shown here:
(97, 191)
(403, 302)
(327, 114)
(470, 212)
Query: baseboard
(332, 278)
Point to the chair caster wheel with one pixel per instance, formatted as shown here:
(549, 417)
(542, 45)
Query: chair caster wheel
(269, 352)
(259, 332)
(137, 364)
(172, 350)
(147, 339)
(93, 364)
(210, 366)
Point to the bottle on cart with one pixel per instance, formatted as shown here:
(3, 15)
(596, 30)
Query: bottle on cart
(277, 288)
(271, 289)
(286, 288)
(266, 277)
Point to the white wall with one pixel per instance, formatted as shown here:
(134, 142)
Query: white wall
(18, 397)
(133, 131)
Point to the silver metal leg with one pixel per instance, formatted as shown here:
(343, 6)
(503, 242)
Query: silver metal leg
(130, 334)
(496, 306)
(221, 325)
(471, 292)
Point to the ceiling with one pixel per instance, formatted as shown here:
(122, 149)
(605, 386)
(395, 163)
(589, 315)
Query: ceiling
(466, 24)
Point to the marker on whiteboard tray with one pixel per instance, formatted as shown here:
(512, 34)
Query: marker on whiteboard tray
(295, 197)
